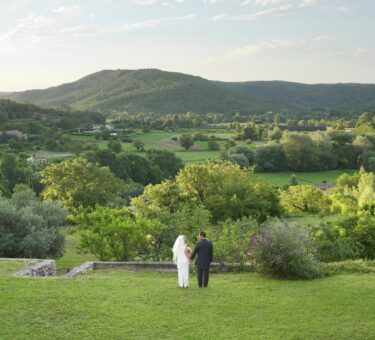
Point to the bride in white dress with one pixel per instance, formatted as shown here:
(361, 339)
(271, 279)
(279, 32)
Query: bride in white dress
(181, 257)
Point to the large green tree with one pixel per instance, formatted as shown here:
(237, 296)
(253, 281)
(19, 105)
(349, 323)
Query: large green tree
(222, 188)
(166, 162)
(186, 141)
(78, 182)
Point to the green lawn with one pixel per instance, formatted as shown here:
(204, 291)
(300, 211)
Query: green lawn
(283, 178)
(136, 305)
(71, 257)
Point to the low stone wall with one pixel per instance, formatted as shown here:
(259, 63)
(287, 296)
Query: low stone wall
(88, 266)
(15, 259)
(40, 269)
(136, 266)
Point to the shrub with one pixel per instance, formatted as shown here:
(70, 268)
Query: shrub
(231, 239)
(242, 150)
(199, 136)
(229, 144)
(332, 244)
(284, 251)
(212, 145)
(126, 139)
(29, 227)
(186, 141)
(240, 160)
(113, 233)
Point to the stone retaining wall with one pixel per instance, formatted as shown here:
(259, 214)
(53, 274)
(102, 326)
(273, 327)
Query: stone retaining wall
(153, 266)
(40, 269)
(136, 266)
(84, 268)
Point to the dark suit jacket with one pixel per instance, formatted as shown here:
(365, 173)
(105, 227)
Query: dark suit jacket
(205, 251)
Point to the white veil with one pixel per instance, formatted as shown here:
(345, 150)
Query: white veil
(178, 248)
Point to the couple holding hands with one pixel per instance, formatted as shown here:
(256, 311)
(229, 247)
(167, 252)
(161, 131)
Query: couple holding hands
(183, 255)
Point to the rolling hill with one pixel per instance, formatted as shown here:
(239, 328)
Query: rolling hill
(308, 96)
(152, 90)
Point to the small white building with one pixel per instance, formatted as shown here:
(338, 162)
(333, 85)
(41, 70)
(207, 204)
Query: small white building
(36, 160)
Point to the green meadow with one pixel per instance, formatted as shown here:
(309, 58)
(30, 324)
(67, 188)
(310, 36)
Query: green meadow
(149, 305)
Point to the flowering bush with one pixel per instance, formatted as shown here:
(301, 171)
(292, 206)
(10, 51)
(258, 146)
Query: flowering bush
(284, 251)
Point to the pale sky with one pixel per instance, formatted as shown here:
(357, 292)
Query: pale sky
(48, 42)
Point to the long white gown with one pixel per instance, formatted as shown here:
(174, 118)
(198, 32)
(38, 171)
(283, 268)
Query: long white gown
(182, 262)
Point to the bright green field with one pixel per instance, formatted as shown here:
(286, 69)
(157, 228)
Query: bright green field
(129, 305)
(197, 156)
(283, 178)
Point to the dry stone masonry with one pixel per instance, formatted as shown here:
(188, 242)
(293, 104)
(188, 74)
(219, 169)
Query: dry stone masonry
(40, 269)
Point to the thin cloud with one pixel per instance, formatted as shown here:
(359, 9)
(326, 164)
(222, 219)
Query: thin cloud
(153, 2)
(26, 33)
(68, 10)
(271, 12)
(339, 8)
(261, 2)
(276, 44)
(85, 31)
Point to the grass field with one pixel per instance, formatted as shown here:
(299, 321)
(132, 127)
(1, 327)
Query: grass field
(310, 220)
(135, 305)
(283, 178)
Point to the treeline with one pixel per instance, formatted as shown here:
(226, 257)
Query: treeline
(297, 151)
(34, 120)
(167, 121)
(156, 166)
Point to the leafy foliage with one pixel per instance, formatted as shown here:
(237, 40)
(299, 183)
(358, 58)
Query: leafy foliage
(227, 191)
(164, 202)
(29, 227)
(78, 182)
(186, 140)
(113, 233)
(231, 240)
(304, 198)
(222, 188)
(166, 162)
(353, 233)
(284, 251)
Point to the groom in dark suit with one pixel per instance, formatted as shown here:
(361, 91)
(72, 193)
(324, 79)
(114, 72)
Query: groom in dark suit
(205, 251)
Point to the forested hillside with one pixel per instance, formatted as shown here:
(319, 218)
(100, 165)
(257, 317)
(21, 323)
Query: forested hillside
(143, 91)
(309, 96)
(19, 116)
(151, 90)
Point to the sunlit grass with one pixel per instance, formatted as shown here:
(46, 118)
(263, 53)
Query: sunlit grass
(148, 305)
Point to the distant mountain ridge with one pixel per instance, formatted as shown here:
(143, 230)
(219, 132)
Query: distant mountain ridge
(152, 90)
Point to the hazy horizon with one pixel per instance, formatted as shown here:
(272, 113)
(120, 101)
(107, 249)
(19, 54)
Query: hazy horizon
(48, 43)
